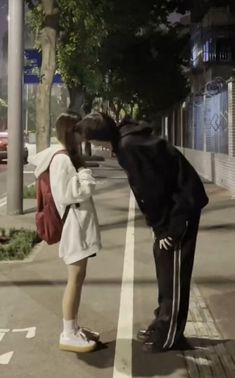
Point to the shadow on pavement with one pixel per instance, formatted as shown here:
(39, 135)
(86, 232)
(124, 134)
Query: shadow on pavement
(203, 342)
(119, 224)
(218, 227)
(88, 282)
(227, 204)
(155, 364)
(102, 357)
(115, 281)
(30, 211)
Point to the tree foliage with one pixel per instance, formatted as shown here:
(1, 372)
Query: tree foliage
(83, 30)
(124, 51)
(147, 55)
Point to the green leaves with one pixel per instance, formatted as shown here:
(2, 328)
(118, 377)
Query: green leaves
(16, 244)
(145, 60)
(83, 30)
(35, 17)
(124, 41)
(3, 108)
(3, 103)
(30, 191)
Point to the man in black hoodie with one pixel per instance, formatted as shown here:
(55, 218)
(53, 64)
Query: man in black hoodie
(170, 195)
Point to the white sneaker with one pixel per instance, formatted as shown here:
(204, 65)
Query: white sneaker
(76, 343)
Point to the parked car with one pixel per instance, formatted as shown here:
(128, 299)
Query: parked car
(4, 144)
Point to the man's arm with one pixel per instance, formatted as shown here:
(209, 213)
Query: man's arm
(188, 197)
(129, 162)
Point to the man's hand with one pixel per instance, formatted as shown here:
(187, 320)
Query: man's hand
(166, 243)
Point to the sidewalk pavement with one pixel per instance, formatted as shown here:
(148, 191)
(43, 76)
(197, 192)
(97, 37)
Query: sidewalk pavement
(214, 271)
(31, 293)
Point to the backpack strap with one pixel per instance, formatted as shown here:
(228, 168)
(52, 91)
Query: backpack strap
(67, 207)
(60, 152)
(66, 213)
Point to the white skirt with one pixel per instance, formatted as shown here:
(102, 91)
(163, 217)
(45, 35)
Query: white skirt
(80, 237)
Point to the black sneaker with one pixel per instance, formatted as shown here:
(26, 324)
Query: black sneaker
(143, 334)
(152, 346)
(90, 334)
(182, 344)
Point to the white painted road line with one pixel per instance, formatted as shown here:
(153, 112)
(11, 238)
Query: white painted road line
(6, 358)
(2, 333)
(3, 202)
(30, 332)
(123, 352)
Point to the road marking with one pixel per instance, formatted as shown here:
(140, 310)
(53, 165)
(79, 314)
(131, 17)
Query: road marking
(31, 332)
(3, 332)
(3, 202)
(123, 352)
(6, 358)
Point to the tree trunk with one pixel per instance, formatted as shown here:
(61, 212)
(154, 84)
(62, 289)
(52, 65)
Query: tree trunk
(43, 96)
(112, 106)
(132, 110)
(77, 100)
(77, 105)
(88, 104)
(118, 110)
(105, 106)
(88, 149)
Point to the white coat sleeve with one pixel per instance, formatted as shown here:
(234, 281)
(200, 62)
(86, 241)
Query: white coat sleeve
(67, 185)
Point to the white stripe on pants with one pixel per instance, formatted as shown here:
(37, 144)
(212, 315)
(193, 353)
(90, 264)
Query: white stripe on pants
(176, 299)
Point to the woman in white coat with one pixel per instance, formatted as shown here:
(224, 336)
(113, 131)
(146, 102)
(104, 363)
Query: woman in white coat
(72, 185)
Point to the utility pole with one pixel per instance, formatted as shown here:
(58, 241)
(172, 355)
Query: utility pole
(15, 99)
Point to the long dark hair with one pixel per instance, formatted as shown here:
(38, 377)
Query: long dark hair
(100, 127)
(67, 134)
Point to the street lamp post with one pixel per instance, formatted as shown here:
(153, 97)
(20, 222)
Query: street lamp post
(15, 122)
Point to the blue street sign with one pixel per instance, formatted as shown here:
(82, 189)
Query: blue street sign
(32, 64)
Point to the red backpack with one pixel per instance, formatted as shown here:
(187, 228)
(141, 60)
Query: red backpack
(48, 221)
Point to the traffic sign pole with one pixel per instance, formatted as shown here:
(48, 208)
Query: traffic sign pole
(15, 106)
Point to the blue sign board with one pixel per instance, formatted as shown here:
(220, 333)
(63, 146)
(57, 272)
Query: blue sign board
(32, 64)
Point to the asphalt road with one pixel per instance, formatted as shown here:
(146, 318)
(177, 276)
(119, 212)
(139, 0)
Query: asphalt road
(28, 169)
(28, 177)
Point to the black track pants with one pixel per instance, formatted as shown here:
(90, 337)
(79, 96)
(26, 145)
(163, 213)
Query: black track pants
(174, 271)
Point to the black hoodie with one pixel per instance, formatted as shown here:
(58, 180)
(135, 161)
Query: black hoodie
(167, 188)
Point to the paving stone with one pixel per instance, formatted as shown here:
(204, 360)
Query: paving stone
(212, 358)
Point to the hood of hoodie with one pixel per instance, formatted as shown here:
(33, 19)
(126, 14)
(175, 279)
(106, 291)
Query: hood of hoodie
(135, 128)
(42, 160)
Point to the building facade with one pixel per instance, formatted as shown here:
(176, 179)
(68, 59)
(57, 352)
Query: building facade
(203, 126)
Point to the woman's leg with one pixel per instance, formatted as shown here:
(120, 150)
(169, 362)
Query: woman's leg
(72, 294)
(70, 340)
